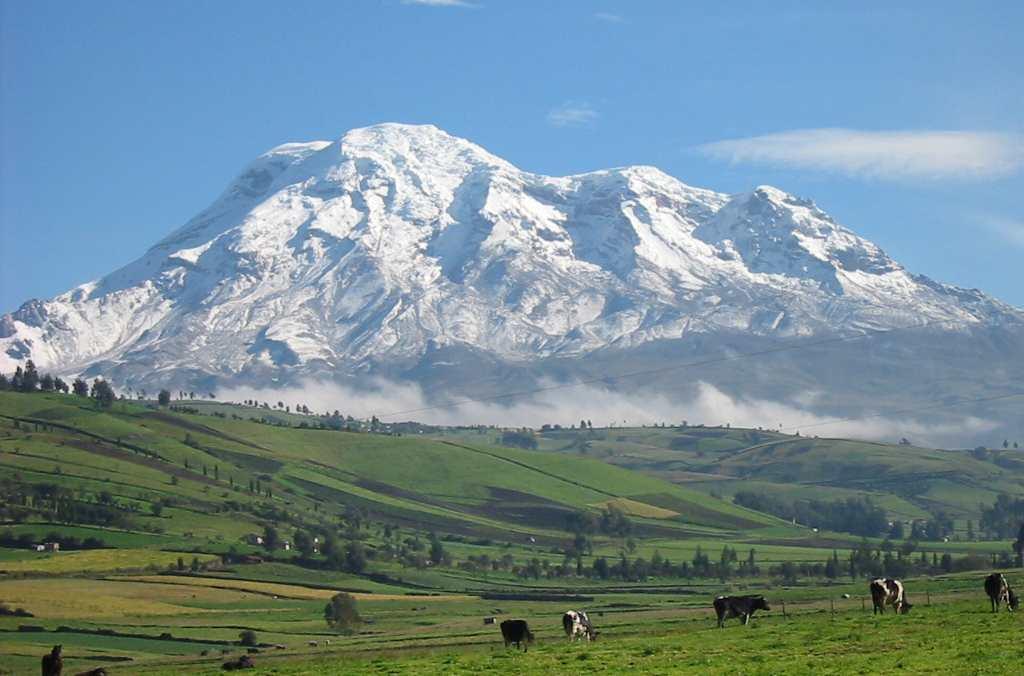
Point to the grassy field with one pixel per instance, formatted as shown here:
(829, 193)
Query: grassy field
(184, 486)
(950, 628)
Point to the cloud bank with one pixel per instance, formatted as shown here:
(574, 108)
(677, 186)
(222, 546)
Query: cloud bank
(604, 408)
(879, 154)
(572, 114)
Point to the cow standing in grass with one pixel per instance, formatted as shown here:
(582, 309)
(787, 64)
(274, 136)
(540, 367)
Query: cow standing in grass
(998, 590)
(727, 607)
(53, 664)
(517, 632)
(577, 625)
(889, 592)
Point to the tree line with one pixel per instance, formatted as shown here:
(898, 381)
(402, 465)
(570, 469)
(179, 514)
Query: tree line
(28, 379)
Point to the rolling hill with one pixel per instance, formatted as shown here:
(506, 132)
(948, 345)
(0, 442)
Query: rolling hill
(908, 481)
(203, 470)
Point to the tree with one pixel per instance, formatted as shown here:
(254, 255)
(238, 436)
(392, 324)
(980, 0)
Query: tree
(341, 614)
(46, 383)
(437, 553)
(247, 638)
(29, 377)
(60, 386)
(157, 508)
(103, 393)
(355, 558)
(80, 387)
(164, 398)
(304, 543)
(271, 540)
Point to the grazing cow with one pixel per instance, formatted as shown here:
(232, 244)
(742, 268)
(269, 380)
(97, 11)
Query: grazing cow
(53, 664)
(312, 644)
(98, 671)
(727, 607)
(889, 592)
(998, 590)
(577, 625)
(489, 620)
(517, 632)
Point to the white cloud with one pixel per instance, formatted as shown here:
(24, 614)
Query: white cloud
(608, 17)
(439, 3)
(572, 114)
(1009, 230)
(879, 154)
(604, 407)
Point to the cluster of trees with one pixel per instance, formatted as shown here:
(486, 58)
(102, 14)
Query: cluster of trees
(867, 562)
(53, 502)
(69, 542)
(859, 516)
(519, 439)
(1004, 518)
(611, 521)
(727, 565)
(28, 379)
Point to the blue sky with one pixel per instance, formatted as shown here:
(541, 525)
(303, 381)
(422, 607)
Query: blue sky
(120, 120)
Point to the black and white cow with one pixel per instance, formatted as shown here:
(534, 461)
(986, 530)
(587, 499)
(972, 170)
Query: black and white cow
(728, 607)
(577, 625)
(998, 590)
(517, 632)
(889, 592)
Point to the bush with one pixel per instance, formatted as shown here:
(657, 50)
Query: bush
(341, 614)
(248, 638)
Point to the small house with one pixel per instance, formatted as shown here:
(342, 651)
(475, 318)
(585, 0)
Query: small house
(51, 546)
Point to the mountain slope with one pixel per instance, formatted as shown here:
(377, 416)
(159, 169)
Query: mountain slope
(398, 248)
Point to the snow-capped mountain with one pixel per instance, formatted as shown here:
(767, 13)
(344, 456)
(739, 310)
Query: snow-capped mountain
(398, 246)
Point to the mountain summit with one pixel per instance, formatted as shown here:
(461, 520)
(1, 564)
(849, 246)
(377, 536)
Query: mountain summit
(397, 247)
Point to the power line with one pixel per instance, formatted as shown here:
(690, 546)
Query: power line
(915, 409)
(663, 369)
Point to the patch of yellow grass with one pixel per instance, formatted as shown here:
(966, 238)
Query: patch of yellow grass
(637, 508)
(99, 560)
(280, 589)
(80, 598)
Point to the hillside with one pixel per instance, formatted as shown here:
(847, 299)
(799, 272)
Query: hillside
(200, 467)
(908, 481)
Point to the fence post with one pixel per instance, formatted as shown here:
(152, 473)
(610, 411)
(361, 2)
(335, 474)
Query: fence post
(784, 615)
(863, 606)
(928, 594)
(832, 603)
